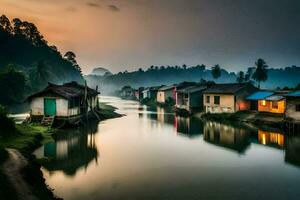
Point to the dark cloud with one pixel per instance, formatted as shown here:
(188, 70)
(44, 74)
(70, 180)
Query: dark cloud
(114, 8)
(91, 4)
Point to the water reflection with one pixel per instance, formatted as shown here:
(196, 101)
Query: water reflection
(71, 150)
(292, 150)
(154, 154)
(236, 139)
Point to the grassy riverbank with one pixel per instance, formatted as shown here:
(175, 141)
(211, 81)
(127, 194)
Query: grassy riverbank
(26, 138)
(259, 119)
(108, 111)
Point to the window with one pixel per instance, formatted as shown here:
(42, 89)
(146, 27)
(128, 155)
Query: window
(217, 100)
(298, 108)
(263, 103)
(207, 99)
(275, 104)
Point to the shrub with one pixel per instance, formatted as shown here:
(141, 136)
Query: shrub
(7, 125)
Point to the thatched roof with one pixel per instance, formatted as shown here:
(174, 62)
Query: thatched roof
(67, 91)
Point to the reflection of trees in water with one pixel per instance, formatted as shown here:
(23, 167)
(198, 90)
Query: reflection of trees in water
(189, 126)
(236, 139)
(292, 150)
(72, 149)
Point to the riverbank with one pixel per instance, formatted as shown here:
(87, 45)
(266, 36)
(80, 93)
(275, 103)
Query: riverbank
(18, 163)
(262, 120)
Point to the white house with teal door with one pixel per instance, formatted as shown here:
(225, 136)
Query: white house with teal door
(63, 100)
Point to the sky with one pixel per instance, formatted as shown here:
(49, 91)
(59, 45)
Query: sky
(128, 34)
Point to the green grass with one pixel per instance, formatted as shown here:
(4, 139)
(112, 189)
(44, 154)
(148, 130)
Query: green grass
(27, 138)
(108, 112)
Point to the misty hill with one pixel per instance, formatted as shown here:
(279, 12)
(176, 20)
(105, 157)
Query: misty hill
(23, 47)
(155, 76)
(289, 76)
(100, 72)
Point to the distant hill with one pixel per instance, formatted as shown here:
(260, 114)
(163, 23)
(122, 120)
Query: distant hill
(289, 76)
(100, 72)
(155, 76)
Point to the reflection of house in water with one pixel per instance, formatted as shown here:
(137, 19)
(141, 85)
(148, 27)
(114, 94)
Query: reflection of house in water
(292, 150)
(188, 126)
(271, 139)
(71, 150)
(226, 136)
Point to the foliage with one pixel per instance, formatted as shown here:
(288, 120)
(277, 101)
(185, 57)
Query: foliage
(7, 125)
(216, 71)
(261, 71)
(12, 85)
(240, 77)
(22, 45)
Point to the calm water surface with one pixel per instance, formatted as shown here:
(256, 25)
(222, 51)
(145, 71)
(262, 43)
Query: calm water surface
(151, 154)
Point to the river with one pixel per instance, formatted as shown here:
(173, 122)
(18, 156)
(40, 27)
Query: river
(155, 155)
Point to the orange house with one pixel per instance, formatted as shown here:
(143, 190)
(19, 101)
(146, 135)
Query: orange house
(272, 104)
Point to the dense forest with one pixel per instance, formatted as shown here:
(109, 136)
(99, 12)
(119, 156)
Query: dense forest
(154, 75)
(28, 63)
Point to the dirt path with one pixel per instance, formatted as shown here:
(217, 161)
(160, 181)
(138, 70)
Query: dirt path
(12, 169)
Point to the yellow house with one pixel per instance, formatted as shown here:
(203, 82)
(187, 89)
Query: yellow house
(227, 98)
(272, 104)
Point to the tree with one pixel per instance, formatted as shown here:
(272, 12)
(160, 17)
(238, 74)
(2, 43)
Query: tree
(5, 24)
(216, 71)
(240, 77)
(184, 66)
(12, 85)
(261, 71)
(71, 57)
(40, 75)
(249, 74)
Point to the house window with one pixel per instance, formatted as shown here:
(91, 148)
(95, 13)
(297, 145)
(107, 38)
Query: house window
(207, 99)
(263, 103)
(298, 108)
(275, 104)
(217, 100)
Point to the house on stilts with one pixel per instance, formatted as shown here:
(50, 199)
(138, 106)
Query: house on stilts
(70, 102)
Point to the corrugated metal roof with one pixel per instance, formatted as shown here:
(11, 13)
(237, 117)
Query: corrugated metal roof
(274, 98)
(227, 88)
(192, 89)
(164, 88)
(293, 94)
(260, 95)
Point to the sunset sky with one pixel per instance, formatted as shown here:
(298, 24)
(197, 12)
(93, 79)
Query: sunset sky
(128, 34)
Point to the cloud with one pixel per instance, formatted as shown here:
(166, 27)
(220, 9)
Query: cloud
(71, 9)
(91, 4)
(114, 8)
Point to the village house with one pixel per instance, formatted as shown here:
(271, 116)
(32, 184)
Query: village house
(190, 98)
(165, 93)
(150, 92)
(292, 112)
(267, 101)
(227, 98)
(258, 96)
(66, 101)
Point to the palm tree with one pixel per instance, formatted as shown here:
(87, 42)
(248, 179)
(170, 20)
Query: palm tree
(240, 77)
(216, 71)
(261, 71)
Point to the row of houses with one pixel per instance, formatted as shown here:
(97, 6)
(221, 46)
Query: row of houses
(225, 98)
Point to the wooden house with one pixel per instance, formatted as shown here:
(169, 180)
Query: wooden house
(292, 112)
(227, 98)
(69, 101)
(273, 104)
(166, 92)
(150, 92)
(258, 96)
(190, 98)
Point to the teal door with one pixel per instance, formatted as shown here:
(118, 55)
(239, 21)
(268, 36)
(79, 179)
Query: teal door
(49, 107)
